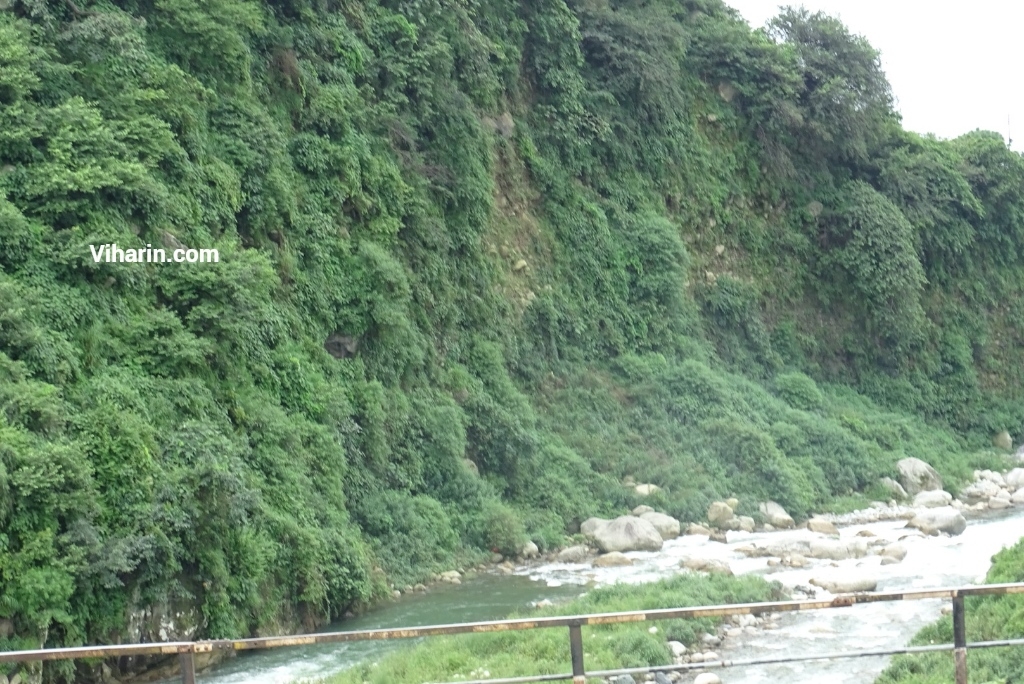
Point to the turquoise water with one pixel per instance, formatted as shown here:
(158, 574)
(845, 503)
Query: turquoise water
(486, 597)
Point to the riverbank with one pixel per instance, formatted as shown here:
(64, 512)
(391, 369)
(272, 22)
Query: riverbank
(527, 652)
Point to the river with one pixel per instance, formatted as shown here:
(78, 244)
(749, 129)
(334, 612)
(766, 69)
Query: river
(930, 562)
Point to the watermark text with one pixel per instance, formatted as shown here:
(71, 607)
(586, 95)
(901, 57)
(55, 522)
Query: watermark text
(111, 253)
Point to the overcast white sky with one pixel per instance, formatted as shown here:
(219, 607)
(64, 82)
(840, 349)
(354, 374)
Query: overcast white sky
(951, 70)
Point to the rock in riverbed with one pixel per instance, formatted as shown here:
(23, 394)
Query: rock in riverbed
(627, 533)
(936, 520)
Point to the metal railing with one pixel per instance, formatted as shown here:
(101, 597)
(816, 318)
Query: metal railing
(186, 650)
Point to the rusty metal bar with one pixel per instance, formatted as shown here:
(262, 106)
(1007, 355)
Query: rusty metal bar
(579, 675)
(188, 667)
(841, 601)
(959, 640)
(166, 648)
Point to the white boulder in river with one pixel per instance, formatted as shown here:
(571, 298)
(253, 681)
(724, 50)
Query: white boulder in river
(776, 515)
(627, 533)
(917, 476)
(935, 498)
(935, 520)
(667, 526)
(845, 582)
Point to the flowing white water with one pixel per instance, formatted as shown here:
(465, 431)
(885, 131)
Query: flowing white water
(930, 562)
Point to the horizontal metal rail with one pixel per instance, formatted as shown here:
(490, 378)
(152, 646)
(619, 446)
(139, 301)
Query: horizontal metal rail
(186, 649)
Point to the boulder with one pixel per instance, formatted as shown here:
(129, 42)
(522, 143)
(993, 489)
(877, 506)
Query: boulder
(707, 678)
(1018, 497)
(937, 520)
(573, 554)
(660, 678)
(612, 560)
(896, 550)
(709, 566)
(917, 476)
(894, 488)
(591, 525)
(451, 576)
(694, 528)
(718, 513)
(747, 523)
(1015, 479)
(998, 503)
(991, 476)
(794, 560)
(678, 649)
(732, 524)
(667, 526)
(627, 533)
(776, 515)
(821, 526)
(529, 550)
(845, 583)
(832, 549)
(979, 491)
(622, 679)
(1003, 441)
(935, 498)
(732, 502)
(647, 489)
(641, 509)
(719, 536)
(889, 560)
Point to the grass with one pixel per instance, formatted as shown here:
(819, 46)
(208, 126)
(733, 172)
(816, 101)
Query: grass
(546, 651)
(988, 618)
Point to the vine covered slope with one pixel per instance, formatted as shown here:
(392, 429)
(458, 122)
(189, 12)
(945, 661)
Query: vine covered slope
(480, 263)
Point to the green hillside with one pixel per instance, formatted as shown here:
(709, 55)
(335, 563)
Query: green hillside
(481, 262)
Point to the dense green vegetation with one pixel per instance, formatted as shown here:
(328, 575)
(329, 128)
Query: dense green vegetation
(546, 651)
(987, 618)
(480, 262)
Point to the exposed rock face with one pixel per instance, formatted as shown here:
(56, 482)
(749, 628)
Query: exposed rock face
(938, 520)
(628, 533)
(341, 346)
(612, 560)
(822, 526)
(935, 498)
(776, 515)
(718, 513)
(667, 526)
(917, 476)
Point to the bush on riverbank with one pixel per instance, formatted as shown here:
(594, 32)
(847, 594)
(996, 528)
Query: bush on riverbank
(988, 618)
(520, 653)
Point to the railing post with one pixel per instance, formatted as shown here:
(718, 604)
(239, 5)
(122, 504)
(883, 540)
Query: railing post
(579, 675)
(959, 640)
(188, 667)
